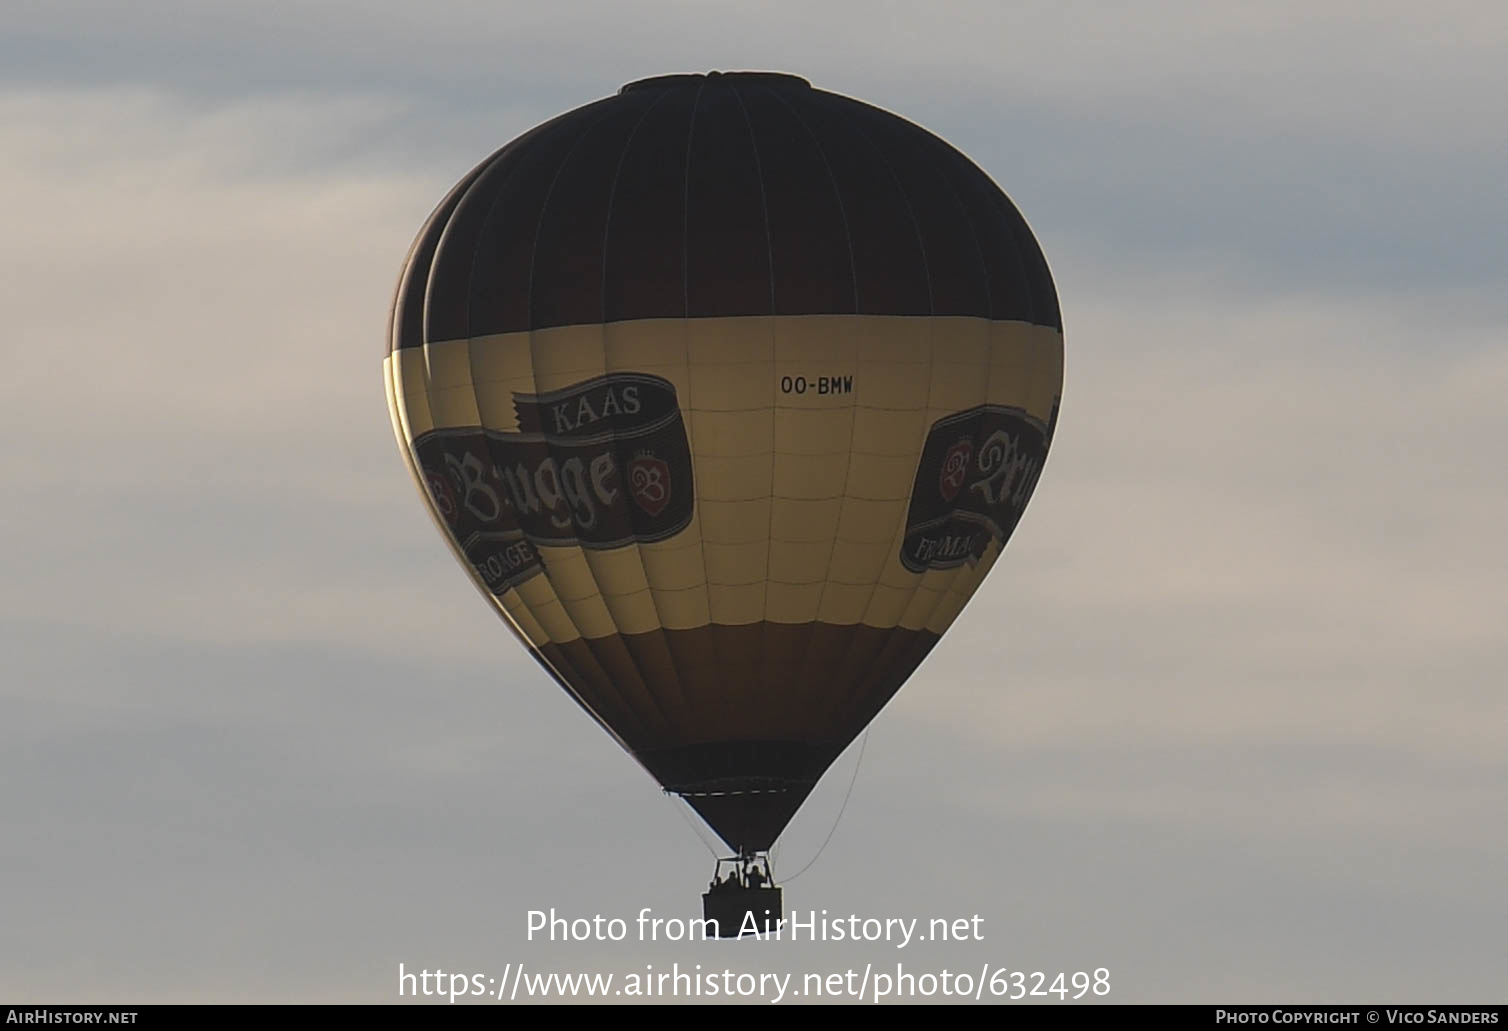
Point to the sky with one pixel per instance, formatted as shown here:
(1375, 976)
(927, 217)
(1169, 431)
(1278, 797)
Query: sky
(1228, 720)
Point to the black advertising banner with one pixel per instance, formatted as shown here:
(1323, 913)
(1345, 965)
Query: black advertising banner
(977, 472)
(601, 463)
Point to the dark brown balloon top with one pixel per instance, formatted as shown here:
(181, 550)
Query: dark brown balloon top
(739, 193)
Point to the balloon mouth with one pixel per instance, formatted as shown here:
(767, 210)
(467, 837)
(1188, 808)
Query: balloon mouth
(719, 768)
(687, 78)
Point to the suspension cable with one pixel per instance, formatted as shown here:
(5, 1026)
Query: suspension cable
(696, 827)
(839, 818)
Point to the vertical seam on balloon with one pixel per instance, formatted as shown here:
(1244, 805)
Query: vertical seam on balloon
(686, 706)
(624, 697)
(931, 370)
(897, 540)
(668, 723)
(471, 181)
(931, 361)
(847, 703)
(1013, 237)
(853, 416)
(931, 364)
(921, 243)
(612, 193)
(544, 209)
(1023, 245)
(853, 270)
(438, 224)
(636, 711)
(922, 247)
(497, 600)
(696, 103)
(769, 243)
(963, 212)
(701, 534)
(764, 203)
(487, 218)
(922, 629)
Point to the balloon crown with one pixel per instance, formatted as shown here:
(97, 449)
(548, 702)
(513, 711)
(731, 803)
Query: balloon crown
(685, 78)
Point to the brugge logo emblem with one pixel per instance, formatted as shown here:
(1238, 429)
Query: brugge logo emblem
(445, 498)
(955, 468)
(977, 471)
(649, 479)
(601, 463)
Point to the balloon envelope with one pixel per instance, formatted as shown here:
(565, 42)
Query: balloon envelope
(728, 392)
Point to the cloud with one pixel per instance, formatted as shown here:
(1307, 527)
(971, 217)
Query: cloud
(1264, 520)
(196, 375)
(1227, 713)
(1345, 145)
(1362, 70)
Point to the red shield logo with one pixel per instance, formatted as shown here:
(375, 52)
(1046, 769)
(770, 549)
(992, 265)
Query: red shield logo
(649, 483)
(955, 468)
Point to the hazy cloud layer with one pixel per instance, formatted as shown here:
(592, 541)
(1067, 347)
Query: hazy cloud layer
(1229, 720)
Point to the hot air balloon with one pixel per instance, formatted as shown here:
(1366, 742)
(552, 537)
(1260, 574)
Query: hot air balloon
(727, 391)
